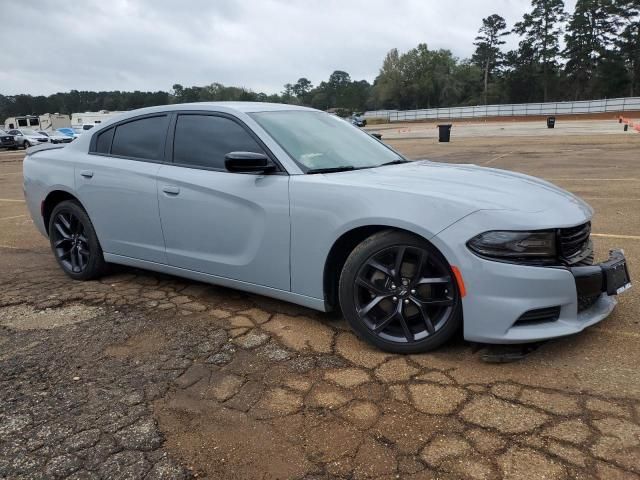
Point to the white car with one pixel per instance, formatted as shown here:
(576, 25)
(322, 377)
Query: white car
(26, 137)
(57, 137)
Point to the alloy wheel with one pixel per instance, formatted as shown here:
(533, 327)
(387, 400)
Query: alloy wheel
(70, 242)
(404, 294)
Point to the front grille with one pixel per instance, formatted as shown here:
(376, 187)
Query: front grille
(539, 315)
(573, 240)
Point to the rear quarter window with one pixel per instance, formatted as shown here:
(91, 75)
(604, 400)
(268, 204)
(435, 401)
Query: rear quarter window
(103, 142)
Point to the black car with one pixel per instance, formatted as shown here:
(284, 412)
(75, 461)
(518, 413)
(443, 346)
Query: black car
(7, 141)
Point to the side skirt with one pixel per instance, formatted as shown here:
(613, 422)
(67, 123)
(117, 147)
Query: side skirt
(305, 301)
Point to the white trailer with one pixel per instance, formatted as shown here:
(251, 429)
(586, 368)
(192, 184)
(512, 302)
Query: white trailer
(79, 120)
(54, 121)
(24, 121)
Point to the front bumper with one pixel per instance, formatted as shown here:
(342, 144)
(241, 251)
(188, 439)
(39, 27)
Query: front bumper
(499, 295)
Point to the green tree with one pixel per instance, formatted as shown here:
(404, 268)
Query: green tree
(591, 33)
(488, 41)
(541, 30)
(301, 89)
(628, 42)
(287, 93)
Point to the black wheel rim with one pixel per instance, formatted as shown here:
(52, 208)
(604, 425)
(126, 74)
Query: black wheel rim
(70, 242)
(404, 294)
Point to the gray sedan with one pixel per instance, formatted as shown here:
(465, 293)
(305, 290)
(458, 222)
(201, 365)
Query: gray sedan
(299, 205)
(25, 137)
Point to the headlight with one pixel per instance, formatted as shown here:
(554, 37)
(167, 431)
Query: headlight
(508, 245)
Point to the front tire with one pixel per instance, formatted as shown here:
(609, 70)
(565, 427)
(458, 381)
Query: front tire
(26, 144)
(398, 292)
(74, 242)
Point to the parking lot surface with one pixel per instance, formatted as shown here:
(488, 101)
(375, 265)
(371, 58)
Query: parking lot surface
(140, 375)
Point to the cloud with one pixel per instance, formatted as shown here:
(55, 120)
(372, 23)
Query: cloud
(152, 44)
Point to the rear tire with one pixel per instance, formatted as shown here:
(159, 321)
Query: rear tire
(74, 242)
(397, 291)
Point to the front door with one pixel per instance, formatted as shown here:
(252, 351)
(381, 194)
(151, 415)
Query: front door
(231, 225)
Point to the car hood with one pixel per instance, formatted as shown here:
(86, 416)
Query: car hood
(479, 187)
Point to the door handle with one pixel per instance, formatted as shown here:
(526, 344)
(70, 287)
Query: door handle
(171, 190)
(86, 173)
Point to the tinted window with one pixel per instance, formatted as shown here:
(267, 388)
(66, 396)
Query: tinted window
(103, 143)
(142, 138)
(203, 141)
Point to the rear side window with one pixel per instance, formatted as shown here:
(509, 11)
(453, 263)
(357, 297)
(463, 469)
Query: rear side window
(103, 143)
(142, 138)
(204, 140)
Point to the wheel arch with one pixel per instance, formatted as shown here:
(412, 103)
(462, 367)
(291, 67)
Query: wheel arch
(340, 251)
(52, 199)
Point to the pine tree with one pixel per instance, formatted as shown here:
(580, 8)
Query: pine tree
(591, 33)
(541, 30)
(488, 41)
(629, 41)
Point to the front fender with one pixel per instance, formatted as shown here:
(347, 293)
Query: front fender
(321, 212)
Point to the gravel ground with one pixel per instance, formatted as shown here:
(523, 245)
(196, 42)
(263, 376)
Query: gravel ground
(141, 375)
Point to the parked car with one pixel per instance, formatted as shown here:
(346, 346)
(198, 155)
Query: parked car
(69, 132)
(7, 141)
(299, 205)
(80, 130)
(56, 137)
(358, 120)
(26, 137)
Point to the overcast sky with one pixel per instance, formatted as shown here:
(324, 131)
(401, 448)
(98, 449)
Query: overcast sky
(52, 46)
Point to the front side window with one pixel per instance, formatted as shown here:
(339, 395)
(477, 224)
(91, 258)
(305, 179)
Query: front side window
(143, 138)
(204, 140)
(317, 140)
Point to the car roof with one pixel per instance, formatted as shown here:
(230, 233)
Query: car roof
(229, 107)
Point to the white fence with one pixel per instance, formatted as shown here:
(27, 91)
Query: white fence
(508, 110)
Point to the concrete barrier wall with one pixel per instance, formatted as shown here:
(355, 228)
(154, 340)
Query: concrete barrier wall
(508, 110)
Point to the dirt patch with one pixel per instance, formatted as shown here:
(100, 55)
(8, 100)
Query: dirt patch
(138, 345)
(25, 317)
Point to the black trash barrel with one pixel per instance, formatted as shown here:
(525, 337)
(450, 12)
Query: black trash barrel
(444, 132)
(551, 122)
(626, 127)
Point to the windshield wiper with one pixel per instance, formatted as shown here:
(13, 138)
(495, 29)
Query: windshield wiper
(331, 169)
(394, 162)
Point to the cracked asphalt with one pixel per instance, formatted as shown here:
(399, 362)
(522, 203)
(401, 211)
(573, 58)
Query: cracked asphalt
(145, 376)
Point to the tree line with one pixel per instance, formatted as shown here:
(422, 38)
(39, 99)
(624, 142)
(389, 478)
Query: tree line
(593, 52)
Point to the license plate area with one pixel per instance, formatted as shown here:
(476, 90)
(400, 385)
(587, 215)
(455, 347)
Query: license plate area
(616, 273)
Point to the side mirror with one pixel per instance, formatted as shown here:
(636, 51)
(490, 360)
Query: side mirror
(248, 162)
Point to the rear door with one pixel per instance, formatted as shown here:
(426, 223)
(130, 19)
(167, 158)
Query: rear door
(116, 182)
(231, 225)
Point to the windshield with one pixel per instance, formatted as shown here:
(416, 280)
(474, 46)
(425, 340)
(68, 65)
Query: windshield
(28, 131)
(317, 141)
